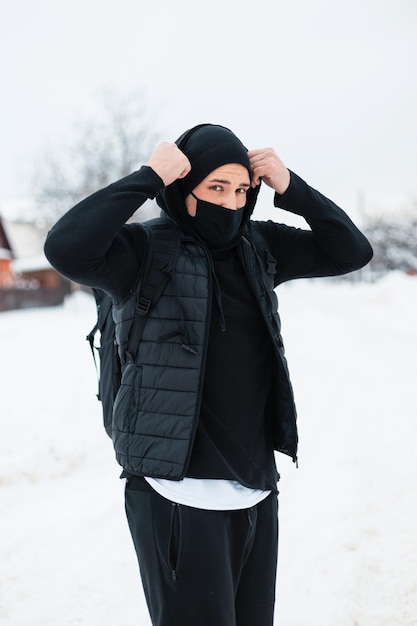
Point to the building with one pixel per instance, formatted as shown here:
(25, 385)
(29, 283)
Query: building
(6, 257)
(26, 277)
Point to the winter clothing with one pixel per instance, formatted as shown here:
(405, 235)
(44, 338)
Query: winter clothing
(209, 394)
(208, 147)
(209, 567)
(108, 257)
(156, 437)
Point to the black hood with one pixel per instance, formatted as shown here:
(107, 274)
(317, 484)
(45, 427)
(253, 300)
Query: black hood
(207, 146)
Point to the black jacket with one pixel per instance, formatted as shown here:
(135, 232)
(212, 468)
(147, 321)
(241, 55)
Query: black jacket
(156, 411)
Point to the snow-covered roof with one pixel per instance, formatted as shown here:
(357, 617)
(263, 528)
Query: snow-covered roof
(30, 264)
(25, 239)
(5, 254)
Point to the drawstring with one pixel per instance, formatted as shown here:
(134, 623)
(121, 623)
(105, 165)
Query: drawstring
(249, 513)
(218, 298)
(217, 293)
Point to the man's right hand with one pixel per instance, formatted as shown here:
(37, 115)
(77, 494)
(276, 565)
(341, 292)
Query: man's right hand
(169, 162)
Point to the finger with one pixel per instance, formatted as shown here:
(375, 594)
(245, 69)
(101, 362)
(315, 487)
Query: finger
(256, 180)
(253, 153)
(258, 161)
(184, 172)
(259, 168)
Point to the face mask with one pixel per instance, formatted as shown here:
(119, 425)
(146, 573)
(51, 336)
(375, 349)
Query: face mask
(215, 224)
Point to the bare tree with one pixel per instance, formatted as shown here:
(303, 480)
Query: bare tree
(105, 146)
(394, 244)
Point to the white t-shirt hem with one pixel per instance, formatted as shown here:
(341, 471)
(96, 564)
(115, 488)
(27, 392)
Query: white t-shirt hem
(207, 493)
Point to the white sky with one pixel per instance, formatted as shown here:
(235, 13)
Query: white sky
(330, 84)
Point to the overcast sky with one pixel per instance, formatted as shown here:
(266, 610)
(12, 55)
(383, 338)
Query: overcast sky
(330, 84)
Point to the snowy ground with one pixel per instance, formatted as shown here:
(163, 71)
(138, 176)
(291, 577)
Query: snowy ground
(348, 524)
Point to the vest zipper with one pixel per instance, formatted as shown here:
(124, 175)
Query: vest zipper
(210, 271)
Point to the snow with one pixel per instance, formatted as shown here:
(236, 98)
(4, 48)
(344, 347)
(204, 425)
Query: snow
(31, 264)
(25, 238)
(348, 540)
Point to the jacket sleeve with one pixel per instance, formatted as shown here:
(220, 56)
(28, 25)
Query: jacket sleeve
(332, 247)
(91, 244)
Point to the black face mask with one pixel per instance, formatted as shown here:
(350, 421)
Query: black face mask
(215, 224)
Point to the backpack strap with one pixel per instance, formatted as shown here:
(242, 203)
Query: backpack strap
(262, 246)
(164, 245)
(103, 306)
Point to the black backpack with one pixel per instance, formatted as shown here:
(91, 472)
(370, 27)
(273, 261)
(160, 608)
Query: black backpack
(163, 245)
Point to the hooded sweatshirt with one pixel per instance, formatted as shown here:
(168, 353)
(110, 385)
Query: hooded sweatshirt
(232, 440)
(92, 245)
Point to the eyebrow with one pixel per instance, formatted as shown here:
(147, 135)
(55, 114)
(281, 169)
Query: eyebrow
(226, 182)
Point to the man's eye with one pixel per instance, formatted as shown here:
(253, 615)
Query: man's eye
(241, 190)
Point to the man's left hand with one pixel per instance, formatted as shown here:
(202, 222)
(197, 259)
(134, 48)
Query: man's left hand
(267, 165)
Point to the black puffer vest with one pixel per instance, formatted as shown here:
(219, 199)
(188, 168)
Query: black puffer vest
(157, 407)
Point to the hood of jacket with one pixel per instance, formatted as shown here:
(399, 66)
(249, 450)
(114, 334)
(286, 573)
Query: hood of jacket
(207, 146)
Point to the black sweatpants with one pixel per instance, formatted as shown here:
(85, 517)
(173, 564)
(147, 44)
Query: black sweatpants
(204, 568)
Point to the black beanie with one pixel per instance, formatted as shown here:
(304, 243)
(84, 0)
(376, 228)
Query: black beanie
(208, 147)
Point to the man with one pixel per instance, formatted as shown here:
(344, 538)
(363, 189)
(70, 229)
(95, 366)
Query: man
(208, 397)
